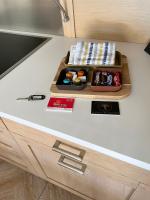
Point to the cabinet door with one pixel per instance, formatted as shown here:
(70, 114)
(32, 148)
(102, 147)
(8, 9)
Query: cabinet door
(33, 164)
(100, 19)
(10, 151)
(142, 193)
(91, 181)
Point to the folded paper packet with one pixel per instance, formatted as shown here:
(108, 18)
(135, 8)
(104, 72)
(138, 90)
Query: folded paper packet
(90, 53)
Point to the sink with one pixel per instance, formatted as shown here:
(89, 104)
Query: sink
(16, 48)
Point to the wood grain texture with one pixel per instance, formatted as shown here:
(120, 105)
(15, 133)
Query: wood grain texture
(16, 184)
(88, 93)
(120, 20)
(31, 133)
(57, 193)
(12, 183)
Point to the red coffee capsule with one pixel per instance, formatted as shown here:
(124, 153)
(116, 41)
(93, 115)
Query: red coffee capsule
(117, 80)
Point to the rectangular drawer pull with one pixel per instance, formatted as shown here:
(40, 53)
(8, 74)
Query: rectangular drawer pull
(81, 166)
(78, 155)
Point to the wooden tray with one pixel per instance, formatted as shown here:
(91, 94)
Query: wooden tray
(88, 93)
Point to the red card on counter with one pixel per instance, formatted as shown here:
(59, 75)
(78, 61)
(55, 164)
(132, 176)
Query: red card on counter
(60, 104)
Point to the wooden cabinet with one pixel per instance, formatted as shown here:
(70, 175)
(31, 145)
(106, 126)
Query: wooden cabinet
(82, 171)
(89, 180)
(30, 156)
(9, 149)
(102, 160)
(102, 19)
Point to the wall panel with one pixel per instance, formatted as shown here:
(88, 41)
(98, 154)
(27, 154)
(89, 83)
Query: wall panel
(121, 20)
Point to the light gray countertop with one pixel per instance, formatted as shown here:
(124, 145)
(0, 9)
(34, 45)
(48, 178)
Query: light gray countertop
(125, 137)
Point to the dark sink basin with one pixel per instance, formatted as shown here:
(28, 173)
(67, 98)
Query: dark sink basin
(14, 49)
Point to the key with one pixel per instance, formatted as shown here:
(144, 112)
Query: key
(33, 98)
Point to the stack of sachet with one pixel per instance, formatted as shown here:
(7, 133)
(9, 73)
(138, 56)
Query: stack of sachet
(90, 53)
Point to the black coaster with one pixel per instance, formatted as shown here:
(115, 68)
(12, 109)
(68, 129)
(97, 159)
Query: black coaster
(105, 107)
(147, 49)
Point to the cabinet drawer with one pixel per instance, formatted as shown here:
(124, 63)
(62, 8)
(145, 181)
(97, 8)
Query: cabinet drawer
(28, 132)
(89, 180)
(91, 156)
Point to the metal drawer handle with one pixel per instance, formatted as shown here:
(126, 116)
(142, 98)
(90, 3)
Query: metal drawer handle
(79, 157)
(80, 170)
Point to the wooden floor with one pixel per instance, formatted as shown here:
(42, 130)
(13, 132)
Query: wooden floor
(16, 184)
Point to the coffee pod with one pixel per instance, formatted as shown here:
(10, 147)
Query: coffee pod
(80, 73)
(69, 75)
(82, 78)
(77, 81)
(66, 81)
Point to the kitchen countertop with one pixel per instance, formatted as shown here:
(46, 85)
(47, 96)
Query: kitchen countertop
(125, 137)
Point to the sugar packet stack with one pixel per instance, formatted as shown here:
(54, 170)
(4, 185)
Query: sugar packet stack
(90, 53)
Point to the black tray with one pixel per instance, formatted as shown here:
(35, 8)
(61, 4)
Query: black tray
(60, 85)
